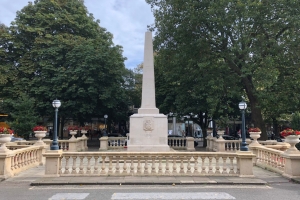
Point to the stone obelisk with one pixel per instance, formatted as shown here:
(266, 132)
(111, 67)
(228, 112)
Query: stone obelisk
(148, 128)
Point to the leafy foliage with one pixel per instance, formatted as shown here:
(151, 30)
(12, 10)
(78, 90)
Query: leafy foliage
(59, 51)
(214, 52)
(23, 115)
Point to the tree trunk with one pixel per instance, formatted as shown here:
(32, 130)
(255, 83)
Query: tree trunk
(256, 116)
(275, 127)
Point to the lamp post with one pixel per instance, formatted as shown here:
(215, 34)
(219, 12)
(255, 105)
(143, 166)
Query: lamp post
(56, 104)
(243, 106)
(105, 131)
(173, 115)
(189, 132)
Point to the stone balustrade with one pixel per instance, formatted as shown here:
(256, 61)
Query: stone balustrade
(116, 142)
(214, 144)
(78, 144)
(59, 163)
(15, 161)
(282, 162)
(177, 143)
(269, 158)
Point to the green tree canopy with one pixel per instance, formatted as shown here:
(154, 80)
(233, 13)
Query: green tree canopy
(59, 51)
(249, 48)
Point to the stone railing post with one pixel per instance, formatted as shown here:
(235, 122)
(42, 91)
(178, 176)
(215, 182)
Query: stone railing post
(245, 163)
(254, 150)
(190, 144)
(41, 151)
(104, 143)
(73, 145)
(85, 144)
(292, 165)
(220, 145)
(52, 162)
(208, 142)
(5, 164)
(80, 144)
(212, 143)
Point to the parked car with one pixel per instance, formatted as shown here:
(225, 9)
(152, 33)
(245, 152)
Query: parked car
(14, 139)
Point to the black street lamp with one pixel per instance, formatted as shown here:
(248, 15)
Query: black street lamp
(105, 130)
(189, 132)
(56, 104)
(243, 106)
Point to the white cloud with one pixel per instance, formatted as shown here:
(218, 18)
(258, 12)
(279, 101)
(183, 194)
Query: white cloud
(127, 20)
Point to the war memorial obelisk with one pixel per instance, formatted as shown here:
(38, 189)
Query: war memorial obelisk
(148, 128)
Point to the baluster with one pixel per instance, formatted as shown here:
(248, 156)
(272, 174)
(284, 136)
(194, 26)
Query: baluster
(74, 165)
(132, 165)
(139, 168)
(225, 166)
(277, 161)
(118, 165)
(203, 170)
(24, 162)
(231, 165)
(160, 166)
(274, 160)
(196, 165)
(12, 163)
(188, 171)
(282, 162)
(15, 161)
(221, 165)
(174, 165)
(181, 171)
(168, 170)
(18, 161)
(217, 165)
(264, 160)
(88, 168)
(125, 166)
(96, 165)
(110, 167)
(268, 158)
(103, 171)
(81, 165)
(210, 168)
(146, 171)
(153, 170)
(67, 165)
(20, 164)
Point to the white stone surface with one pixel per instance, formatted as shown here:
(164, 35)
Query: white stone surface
(73, 196)
(173, 196)
(148, 137)
(148, 105)
(148, 128)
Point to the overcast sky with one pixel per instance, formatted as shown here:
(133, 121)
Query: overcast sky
(127, 20)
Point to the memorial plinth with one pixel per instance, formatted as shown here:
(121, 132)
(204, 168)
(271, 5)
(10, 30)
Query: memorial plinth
(148, 128)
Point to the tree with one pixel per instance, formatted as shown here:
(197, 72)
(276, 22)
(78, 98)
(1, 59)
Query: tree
(253, 41)
(59, 51)
(23, 116)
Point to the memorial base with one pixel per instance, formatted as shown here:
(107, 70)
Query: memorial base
(148, 133)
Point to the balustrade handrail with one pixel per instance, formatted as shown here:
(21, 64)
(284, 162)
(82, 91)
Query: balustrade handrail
(207, 154)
